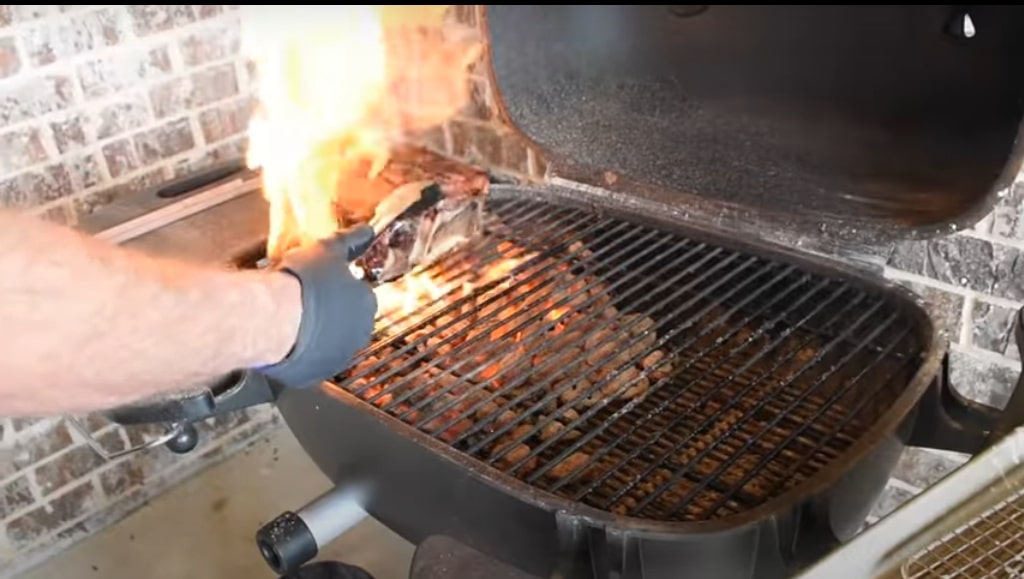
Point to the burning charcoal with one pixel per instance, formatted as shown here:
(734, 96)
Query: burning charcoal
(578, 248)
(458, 325)
(643, 345)
(601, 348)
(456, 430)
(447, 381)
(439, 344)
(453, 431)
(516, 454)
(624, 506)
(555, 365)
(572, 463)
(569, 339)
(551, 430)
(509, 322)
(506, 417)
(617, 384)
(656, 365)
(652, 359)
(620, 359)
(636, 323)
(576, 389)
(380, 402)
(637, 390)
(505, 368)
(497, 406)
(520, 431)
(364, 367)
(486, 410)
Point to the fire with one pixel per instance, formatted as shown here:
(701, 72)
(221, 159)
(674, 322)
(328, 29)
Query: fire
(401, 302)
(337, 88)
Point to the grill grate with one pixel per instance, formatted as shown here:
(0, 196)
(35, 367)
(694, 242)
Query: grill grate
(991, 545)
(635, 370)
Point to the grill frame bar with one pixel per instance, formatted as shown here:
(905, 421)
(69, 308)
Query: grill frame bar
(655, 216)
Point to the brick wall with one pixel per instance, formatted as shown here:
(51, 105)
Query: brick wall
(95, 101)
(101, 100)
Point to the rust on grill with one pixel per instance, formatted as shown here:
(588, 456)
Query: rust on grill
(636, 370)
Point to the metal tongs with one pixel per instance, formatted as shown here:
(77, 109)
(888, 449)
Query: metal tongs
(415, 225)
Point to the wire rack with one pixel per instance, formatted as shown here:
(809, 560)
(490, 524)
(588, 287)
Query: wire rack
(637, 370)
(969, 524)
(990, 546)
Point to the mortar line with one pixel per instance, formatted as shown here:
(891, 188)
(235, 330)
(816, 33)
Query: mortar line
(898, 274)
(97, 149)
(93, 105)
(987, 355)
(131, 42)
(966, 337)
(904, 485)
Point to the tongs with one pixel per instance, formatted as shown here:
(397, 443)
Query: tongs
(415, 225)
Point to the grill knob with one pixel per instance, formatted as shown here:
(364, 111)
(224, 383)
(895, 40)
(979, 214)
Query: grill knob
(687, 10)
(185, 441)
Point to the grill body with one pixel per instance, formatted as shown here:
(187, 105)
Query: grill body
(421, 486)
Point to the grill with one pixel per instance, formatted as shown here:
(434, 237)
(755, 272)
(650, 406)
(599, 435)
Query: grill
(640, 372)
(589, 394)
(992, 545)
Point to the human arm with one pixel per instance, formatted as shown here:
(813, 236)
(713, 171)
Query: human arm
(85, 325)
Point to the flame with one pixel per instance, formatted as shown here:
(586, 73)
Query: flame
(337, 88)
(401, 301)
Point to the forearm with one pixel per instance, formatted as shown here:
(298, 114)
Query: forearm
(85, 325)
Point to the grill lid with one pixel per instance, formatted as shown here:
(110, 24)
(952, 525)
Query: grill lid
(883, 120)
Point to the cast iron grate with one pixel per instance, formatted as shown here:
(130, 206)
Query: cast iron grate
(637, 370)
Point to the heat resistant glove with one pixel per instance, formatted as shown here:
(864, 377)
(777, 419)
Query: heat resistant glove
(338, 310)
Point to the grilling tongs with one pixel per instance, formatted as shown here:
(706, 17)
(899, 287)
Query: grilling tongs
(413, 226)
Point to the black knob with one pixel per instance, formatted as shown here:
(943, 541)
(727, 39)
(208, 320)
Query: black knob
(185, 441)
(286, 543)
(687, 10)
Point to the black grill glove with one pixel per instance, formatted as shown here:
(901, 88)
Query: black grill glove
(338, 310)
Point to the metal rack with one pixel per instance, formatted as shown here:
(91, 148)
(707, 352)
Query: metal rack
(970, 524)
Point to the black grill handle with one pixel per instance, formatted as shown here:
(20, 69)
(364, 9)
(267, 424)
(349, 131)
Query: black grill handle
(235, 391)
(946, 420)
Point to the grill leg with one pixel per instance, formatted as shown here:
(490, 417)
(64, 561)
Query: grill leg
(294, 538)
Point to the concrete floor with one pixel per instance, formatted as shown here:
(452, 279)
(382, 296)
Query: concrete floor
(204, 527)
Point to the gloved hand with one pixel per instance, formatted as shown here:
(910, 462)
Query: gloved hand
(338, 310)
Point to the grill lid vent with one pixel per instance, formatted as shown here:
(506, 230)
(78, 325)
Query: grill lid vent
(891, 120)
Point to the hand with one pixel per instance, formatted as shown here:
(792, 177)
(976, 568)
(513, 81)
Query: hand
(338, 310)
